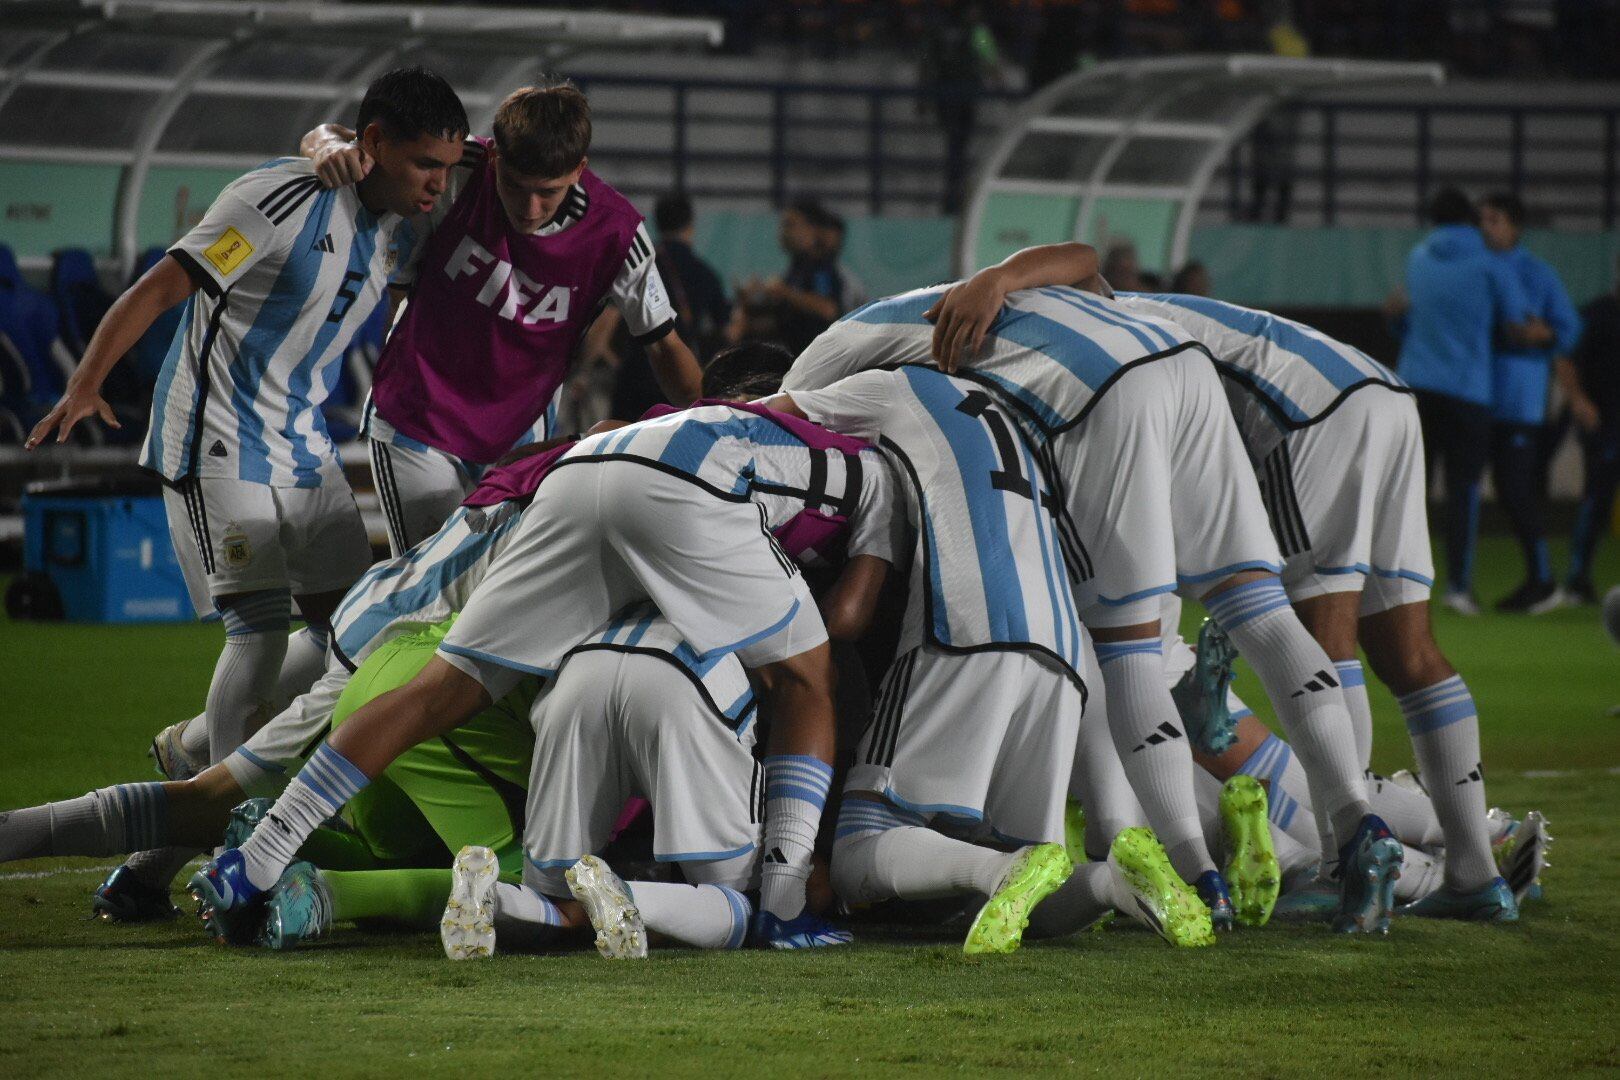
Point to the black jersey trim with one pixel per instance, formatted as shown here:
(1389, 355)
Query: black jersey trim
(691, 676)
(1247, 381)
(656, 334)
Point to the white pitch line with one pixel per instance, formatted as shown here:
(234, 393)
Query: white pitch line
(35, 875)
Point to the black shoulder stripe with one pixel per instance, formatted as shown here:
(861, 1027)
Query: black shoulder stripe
(264, 203)
(287, 194)
(302, 198)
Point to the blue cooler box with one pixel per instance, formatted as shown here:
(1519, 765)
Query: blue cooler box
(105, 546)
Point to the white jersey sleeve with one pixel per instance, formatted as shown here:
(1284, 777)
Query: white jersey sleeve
(639, 294)
(856, 405)
(253, 218)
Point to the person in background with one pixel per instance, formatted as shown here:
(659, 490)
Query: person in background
(831, 233)
(702, 310)
(792, 309)
(1522, 379)
(1458, 297)
(1590, 377)
(1192, 280)
(1121, 269)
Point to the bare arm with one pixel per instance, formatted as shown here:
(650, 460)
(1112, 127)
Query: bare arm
(131, 316)
(1581, 404)
(676, 369)
(339, 158)
(964, 314)
(849, 605)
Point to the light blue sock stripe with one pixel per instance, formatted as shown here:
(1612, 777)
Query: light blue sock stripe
(1350, 673)
(1439, 706)
(805, 761)
(1114, 650)
(332, 777)
(1247, 602)
(815, 798)
(740, 915)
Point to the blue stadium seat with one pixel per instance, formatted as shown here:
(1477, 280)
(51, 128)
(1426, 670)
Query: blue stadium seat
(28, 318)
(145, 360)
(80, 299)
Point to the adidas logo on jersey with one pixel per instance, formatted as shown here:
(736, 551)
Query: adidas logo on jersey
(218, 450)
(521, 298)
(1323, 681)
(325, 244)
(1166, 733)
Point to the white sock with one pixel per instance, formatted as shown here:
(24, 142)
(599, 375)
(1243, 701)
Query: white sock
(107, 821)
(1304, 690)
(1353, 681)
(322, 786)
(1098, 779)
(1444, 725)
(1409, 814)
(1153, 749)
(524, 919)
(702, 916)
(911, 862)
(1421, 874)
(795, 795)
(194, 736)
(1087, 896)
(304, 663)
(1287, 797)
(242, 695)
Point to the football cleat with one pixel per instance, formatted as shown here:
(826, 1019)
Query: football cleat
(124, 898)
(620, 934)
(1074, 831)
(169, 755)
(1502, 826)
(1463, 603)
(1316, 900)
(245, 817)
(1201, 694)
(230, 906)
(1035, 873)
(1522, 856)
(1151, 892)
(1493, 902)
(1408, 779)
(1251, 860)
(467, 927)
(1369, 866)
(299, 908)
(805, 931)
(1212, 890)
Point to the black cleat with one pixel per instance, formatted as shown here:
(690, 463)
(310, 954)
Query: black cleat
(1531, 598)
(123, 898)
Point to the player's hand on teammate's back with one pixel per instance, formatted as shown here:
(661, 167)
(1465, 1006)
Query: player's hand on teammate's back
(342, 164)
(66, 415)
(963, 316)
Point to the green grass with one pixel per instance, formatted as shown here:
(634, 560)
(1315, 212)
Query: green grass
(77, 705)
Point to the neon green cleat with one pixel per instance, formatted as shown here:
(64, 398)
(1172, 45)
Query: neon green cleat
(1158, 898)
(1034, 875)
(1074, 831)
(1252, 872)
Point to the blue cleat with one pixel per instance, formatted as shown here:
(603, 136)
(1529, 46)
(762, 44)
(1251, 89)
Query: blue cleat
(1213, 892)
(807, 931)
(124, 898)
(1488, 903)
(299, 908)
(1316, 900)
(1201, 694)
(230, 906)
(245, 817)
(1368, 868)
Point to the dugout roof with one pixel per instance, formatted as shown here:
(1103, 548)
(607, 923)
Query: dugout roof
(158, 89)
(1128, 149)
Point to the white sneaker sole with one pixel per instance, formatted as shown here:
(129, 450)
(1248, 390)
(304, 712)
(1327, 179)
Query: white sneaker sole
(468, 926)
(620, 934)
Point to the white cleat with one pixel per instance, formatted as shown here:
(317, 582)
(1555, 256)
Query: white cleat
(1524, 856)
(169, 755)
(620, 934)
(468, 926)
(1407, 779)
(1462, 603)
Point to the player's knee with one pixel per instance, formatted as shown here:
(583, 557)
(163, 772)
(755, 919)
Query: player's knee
(1407, 663)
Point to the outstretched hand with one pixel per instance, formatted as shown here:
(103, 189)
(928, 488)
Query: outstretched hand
(66, 415)
(962, 317)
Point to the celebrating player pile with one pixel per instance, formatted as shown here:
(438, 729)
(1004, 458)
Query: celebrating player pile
(575, 632)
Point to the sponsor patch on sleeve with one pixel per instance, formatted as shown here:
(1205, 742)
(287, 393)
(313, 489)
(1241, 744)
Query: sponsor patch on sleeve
(228, 252)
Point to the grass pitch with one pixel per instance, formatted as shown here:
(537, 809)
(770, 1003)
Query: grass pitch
(78, 704)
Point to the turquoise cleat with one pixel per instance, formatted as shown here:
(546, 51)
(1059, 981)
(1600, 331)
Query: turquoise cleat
(121, 898)
(1316, 900)
(1201, 694)
(245, 817)
(1369, 866)
(299, 908)
(1488, 903)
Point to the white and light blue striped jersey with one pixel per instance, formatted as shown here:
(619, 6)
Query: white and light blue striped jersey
(989, 570)
(1050, 352)
(744, 453)
(287, 272)
(1296, 373)
(719, 679)
(426, 584)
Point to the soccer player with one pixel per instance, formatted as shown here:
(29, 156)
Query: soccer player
(633, 713)
(258, 507)
(677, 510)
(1523, 377)
(517, 262)
(1149, 469)
(1339, 453)
(976, 720)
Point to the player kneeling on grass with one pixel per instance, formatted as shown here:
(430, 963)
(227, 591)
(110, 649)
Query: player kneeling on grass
(634, 713)
(676, 510)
